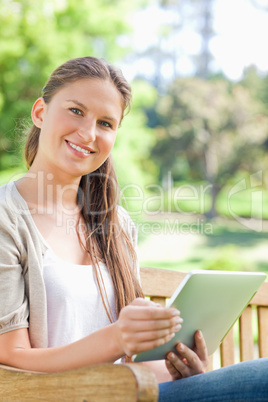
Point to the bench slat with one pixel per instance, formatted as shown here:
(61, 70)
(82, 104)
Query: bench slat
(160, 282)
(246, 335)
(261, 297)
(160, 300)
(227, 349)
(263, 331)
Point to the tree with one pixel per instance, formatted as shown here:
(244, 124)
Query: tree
(214, 127)
(168, 51)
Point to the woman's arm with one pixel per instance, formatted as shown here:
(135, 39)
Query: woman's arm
(101, 346)
(16, 351)
(140, 326)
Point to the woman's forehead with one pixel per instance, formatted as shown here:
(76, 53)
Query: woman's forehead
(88, 91)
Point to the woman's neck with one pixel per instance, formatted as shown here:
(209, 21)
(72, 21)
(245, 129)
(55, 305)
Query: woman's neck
(46, 189)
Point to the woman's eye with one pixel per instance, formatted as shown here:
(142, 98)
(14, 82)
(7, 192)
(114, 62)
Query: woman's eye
(76, 111)
(105, 124)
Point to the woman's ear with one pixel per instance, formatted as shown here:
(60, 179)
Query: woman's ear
(38, 112)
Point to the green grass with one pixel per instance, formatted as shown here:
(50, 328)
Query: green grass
(247, 203)
(196, 199)
(188, 265)
(227, 247)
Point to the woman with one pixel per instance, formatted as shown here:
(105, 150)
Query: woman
(69, 280)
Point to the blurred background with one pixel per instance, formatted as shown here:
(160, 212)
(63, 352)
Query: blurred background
(192, 155)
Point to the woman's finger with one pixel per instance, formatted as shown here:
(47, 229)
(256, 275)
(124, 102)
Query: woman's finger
(135, 347)
(194, 363)
(173, 324)
(201, 347)
(138, 312)
(140, 301)
(183, 370)
(188, 362)
(175, 374)
(142, 336)
(143, 326)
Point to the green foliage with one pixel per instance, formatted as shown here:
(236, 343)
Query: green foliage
(212, 129)
(227, 258)
(131, 153)
(242, 204)
(37, 36)
(11, 174)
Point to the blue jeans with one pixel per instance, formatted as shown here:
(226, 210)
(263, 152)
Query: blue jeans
(247, 381)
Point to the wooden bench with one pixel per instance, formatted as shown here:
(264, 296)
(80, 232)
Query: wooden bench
(131, 382)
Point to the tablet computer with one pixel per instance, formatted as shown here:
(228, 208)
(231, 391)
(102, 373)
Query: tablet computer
(210, 301)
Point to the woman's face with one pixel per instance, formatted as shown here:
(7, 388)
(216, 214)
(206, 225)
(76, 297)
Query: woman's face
(78, 127)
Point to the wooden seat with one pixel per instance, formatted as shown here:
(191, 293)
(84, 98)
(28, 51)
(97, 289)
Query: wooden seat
(132, 382)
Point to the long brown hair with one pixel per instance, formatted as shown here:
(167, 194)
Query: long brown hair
(98, 194)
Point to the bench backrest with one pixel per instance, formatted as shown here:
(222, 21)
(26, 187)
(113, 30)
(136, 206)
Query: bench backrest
(159, 284)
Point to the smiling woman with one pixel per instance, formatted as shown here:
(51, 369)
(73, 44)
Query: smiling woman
(69, 279)
(77, 135)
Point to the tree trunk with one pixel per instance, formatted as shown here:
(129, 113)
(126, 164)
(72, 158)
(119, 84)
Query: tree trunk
(214, 195)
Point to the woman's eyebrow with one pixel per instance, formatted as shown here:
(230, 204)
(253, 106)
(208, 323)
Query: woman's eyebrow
(110, 118)
(85, 108)
(78, 103)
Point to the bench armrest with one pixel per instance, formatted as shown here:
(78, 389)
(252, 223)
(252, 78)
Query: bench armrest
(101, 382)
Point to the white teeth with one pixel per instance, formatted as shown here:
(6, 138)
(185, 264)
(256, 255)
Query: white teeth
(85, 151)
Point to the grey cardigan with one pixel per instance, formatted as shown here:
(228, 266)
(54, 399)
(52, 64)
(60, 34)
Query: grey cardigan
(22, 289)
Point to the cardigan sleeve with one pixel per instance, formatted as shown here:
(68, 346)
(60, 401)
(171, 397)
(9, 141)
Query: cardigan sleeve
(14, 310)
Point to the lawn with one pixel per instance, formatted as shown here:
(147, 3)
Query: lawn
(221, 244)
(195, 198)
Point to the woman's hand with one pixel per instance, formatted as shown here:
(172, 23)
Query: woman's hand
(188, 362)
(144, 325)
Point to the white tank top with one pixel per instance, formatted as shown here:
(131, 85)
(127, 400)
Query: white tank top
(74, 304)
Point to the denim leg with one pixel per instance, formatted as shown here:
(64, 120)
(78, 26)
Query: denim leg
(247, 381)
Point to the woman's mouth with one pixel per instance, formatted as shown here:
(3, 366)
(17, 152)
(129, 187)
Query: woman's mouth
(79, 149)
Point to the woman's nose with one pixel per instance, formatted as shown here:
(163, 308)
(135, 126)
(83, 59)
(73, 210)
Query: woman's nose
(88, 132)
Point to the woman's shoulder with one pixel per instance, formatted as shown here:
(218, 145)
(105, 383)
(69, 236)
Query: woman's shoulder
(9, 225)
(16, 221)
(10, 202)
(6, 198)
(3, 190)
(13, 208)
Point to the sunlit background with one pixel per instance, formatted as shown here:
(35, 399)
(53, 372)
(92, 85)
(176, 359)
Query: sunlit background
(192, 155)
(232, 33)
